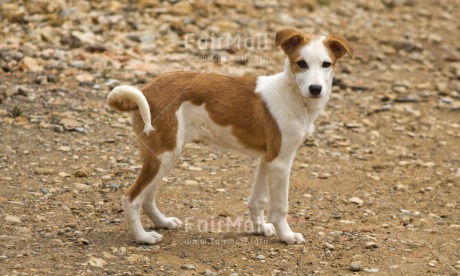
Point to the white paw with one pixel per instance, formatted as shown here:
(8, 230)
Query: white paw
(149, 238)
(169, 223)
(292, 238)
(266, 229)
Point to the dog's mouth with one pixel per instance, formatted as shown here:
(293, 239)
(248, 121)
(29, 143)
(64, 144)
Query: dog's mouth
(314, 96)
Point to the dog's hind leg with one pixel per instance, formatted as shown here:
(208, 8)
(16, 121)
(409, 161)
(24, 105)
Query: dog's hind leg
(149, 206)
(258, 200)
(134, 197)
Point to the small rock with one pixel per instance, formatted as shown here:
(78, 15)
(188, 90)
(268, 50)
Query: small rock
(188, 266)
(81, 186)
(345, 221)
(189, 182)
(355, 266)
(208, 272)
(115, 186)
(329, 246)
(58, 128)
(260, 257)
(64, 174)
(83, 172)
(407, 99)
(29, 64)
(97, 262)
(371, 270)
(356, 200)
(13, 219)
(70, 124)
(77, 63)
(65, 149)
(400, 187)
(83, 241)
(370, 245)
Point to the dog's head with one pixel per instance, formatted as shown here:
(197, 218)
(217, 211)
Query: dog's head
(312, 59)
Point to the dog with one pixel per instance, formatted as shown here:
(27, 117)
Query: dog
(267, 117)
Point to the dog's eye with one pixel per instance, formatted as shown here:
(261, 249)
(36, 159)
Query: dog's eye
(302, 64)
(326, 64)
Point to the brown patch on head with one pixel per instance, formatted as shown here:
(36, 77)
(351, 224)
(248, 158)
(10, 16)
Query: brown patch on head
(289, 40)
(230, 101)
(292, 41)
(337, 46)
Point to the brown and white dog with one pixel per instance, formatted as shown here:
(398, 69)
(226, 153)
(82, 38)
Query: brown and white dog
(267, 117)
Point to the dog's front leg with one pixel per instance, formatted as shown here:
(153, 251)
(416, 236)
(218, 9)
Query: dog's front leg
(278, 186)
(258, 200)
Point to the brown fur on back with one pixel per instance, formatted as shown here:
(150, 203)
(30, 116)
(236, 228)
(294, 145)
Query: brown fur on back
(230, 101)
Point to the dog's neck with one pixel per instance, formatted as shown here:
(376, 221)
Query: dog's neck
(284, 100)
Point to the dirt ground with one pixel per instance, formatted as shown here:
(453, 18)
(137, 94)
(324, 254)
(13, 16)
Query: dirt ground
(376, 187)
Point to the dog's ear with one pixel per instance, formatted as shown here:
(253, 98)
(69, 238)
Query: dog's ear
(288, 39)
(339, 46)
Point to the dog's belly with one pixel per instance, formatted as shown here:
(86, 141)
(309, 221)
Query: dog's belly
(199, 126)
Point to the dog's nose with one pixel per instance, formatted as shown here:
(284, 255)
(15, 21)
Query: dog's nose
(315, 89)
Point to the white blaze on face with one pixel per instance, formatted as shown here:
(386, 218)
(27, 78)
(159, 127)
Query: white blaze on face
(315, 54)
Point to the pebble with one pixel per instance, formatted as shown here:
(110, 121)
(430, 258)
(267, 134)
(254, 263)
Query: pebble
(356, 200)
(77, 63)
(65, 149)
(13, 219)
(371, 245)
(188, 267)
(371, 270)
(115, 186)
(355, 266)
(97, 262)
(329, 246)
(83, 241)
(81, 186)
(208, 272)
(260, 257)
(189, 182)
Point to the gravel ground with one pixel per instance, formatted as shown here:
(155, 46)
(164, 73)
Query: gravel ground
(374, 190)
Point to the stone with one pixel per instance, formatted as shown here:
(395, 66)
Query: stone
(12, 219)
(356, 200)
(328, 246)
(371, 245)
(84, 78)
(188, 266)
(29, 64)
(96, 262)
(355, 266)
(190, 182)
(65, 149)
(371, 270)
(260, 257)
(81, 186)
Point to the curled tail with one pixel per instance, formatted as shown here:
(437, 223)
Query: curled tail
(128, 98)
